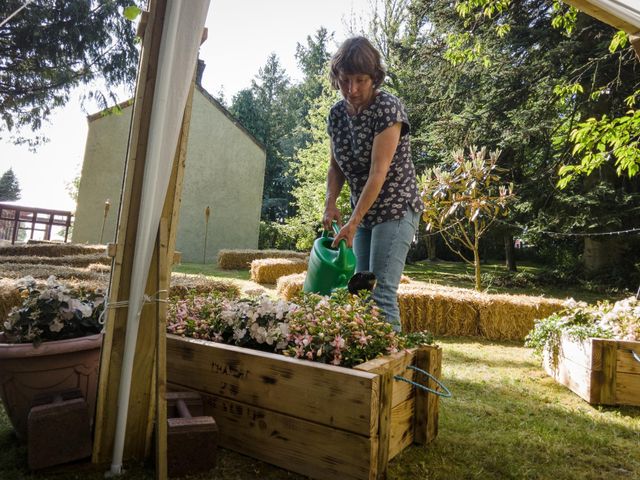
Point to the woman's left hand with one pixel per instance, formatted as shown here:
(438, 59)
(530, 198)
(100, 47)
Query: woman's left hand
(347, 232)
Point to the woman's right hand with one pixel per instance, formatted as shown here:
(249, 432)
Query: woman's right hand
(331, 214)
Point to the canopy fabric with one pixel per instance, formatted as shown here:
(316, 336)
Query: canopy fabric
(181, 36)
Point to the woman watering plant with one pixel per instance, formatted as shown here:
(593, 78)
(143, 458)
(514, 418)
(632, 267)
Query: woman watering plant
(369, 133)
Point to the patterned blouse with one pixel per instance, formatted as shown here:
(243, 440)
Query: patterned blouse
(352, 142)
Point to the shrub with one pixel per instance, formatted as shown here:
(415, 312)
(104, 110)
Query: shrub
(619, 320)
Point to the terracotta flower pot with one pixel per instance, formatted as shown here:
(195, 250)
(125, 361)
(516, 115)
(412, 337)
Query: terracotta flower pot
(27, 371)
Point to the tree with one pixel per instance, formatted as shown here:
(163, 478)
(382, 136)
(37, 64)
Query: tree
(50, 47)
(310, 171)
(9, 187)
(463, 201)
(516, 83)
(266, 111)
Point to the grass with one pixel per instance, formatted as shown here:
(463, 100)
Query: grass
(506, 420)
(459, 274)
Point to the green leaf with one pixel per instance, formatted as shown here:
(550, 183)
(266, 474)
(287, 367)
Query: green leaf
(131, 12)
(619, 40)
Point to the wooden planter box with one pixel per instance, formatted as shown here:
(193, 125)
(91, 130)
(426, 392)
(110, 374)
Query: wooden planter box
(319, 420)
(600, 371)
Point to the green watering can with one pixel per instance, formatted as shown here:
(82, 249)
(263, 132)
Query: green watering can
(329, 268)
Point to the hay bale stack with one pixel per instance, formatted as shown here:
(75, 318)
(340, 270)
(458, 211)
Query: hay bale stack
(99, 267)
(241, 259)
(43, 271)
(51, 250)
(440, 310)
(289, 286)
(183, 283)
(81, 260)
(269, 270)
(511, 317)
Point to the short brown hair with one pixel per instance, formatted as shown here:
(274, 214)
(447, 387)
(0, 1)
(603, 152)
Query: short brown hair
(355, 56)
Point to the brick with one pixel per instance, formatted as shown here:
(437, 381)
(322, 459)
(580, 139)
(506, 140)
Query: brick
(58, 432)
(191, 440)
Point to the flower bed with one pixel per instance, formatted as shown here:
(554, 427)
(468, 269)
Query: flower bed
(593, 350)
(312, 417)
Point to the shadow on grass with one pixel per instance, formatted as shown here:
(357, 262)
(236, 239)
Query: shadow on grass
(500, 424)
(506, 420)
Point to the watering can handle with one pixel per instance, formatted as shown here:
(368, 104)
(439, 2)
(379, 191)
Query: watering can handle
(341, 259)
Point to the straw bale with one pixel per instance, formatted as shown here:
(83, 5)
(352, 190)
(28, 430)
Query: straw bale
(99, 267)
(51, 250)
(511, 317)
(19, 270)
(269, 270)
(81, 260)
(289, 286)
(9, 298)
(438, 310)
(241, 259)
(183, 283)
(404, 279)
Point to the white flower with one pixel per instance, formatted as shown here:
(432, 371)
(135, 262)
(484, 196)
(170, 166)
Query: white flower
(56, 325)
(239, 333)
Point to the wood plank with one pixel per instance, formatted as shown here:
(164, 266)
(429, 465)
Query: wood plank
(401, 428)
(398, 363)
(428, 358)
(294, 444)
(161, 471)
(626, 362)
(607, 379)
(113, 346)
(574, 376)
(433, 401)
(264, 379)
(627, 389)
(604, 16)
(583, 352)
(384, 422)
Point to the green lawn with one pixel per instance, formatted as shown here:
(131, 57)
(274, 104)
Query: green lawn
(459, 274)
(507, 419)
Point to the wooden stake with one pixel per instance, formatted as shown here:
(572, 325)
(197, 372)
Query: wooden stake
(148, 378)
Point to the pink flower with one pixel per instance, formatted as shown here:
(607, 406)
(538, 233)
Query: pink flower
(338, 342)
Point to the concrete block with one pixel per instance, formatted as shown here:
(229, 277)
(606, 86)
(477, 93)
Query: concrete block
(58, 431)
(191, 440)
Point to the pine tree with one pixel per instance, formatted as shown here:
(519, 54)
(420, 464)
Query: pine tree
(49, 48)
(9, 187)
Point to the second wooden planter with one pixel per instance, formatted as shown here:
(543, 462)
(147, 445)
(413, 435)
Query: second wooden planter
(600, 371)
(318, 420)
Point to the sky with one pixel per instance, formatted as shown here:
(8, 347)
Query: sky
(241, 36)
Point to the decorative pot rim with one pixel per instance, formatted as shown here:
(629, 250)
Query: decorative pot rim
(52, 347)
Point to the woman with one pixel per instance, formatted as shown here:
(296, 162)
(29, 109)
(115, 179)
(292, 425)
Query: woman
(369, 134)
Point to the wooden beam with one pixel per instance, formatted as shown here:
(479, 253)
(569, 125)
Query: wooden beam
(635, 43)
(604, 16)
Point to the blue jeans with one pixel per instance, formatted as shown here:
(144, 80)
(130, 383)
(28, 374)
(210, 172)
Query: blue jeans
(383, 250)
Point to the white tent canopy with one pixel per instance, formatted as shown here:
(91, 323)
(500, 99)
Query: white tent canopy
(182, 32)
